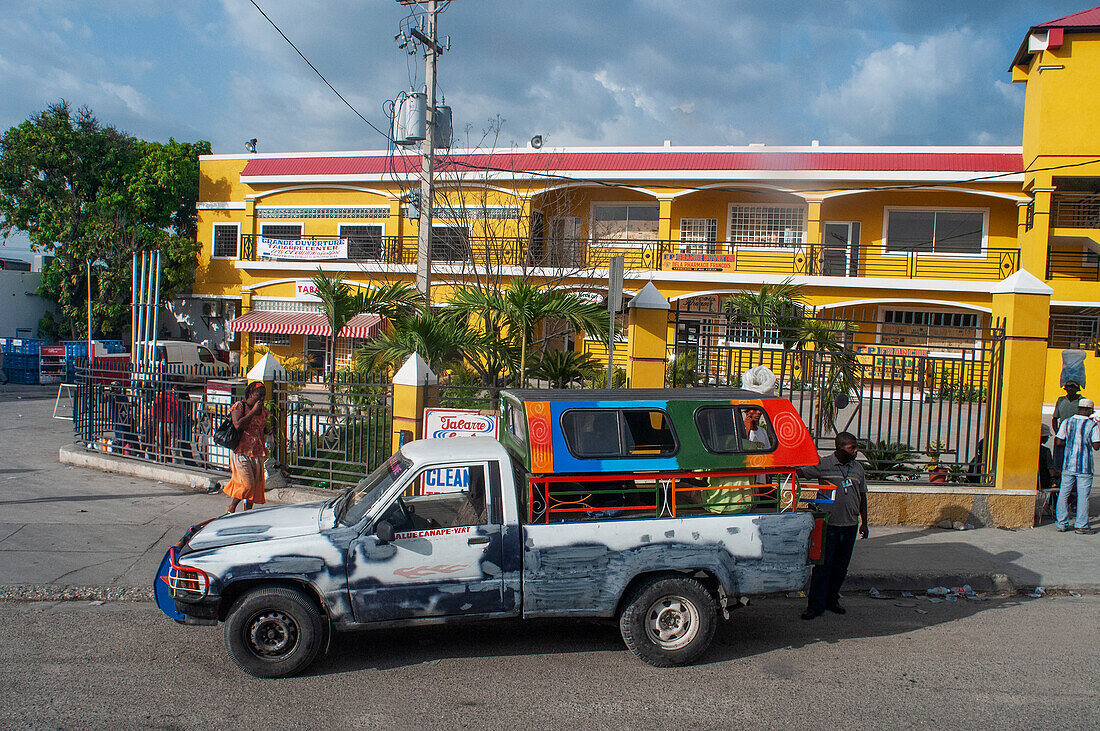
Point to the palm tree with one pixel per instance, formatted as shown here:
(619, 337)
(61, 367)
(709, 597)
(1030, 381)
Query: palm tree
(512, 314)
(564, 367)
(442, 342)
(842, 370)
(780, 306)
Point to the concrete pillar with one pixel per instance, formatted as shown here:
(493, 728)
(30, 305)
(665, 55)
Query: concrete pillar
(1023, 301)
(647, 327)
(1034, 243)
(410, 397)
(814, 238)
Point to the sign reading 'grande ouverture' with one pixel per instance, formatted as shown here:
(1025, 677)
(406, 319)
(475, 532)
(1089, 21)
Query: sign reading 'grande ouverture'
(301, 248)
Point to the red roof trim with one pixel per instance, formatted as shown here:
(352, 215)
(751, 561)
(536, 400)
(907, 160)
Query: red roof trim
(644, 161)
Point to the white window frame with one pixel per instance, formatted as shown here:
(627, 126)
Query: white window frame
(271, 340)
(595, 241)
(381, 233)
(300, 224)
(881, 320)
(213, 241)
(695, 245)
(981, 255)
(772, 246)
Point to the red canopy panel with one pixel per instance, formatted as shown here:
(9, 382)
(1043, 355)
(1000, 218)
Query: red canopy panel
(362, 326)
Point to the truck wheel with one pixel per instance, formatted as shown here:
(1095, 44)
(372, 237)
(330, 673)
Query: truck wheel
(274, 632)
(669, 621)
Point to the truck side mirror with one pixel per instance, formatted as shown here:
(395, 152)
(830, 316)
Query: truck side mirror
(383, 531)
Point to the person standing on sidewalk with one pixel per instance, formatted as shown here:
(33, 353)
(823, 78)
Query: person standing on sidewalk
(1079, 436)
(847, 514)
(246, 461)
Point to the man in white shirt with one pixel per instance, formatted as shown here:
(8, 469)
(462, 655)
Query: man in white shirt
(1080, 436)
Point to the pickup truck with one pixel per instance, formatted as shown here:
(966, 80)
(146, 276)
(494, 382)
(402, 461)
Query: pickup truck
(460, 529)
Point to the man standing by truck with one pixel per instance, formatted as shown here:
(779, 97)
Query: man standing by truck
(847, 513)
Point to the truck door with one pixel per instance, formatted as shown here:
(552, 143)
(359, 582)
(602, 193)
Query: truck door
(446, 555)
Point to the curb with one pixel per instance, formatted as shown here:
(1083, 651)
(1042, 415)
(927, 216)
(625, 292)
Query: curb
(78, 457)
(281, 494)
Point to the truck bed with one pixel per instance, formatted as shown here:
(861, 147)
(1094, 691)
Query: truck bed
(582, 569)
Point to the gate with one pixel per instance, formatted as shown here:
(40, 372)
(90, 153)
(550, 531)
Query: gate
(924, 414)
(334, 434)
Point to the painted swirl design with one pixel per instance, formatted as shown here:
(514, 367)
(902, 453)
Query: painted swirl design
(788, 429)
(538, 433)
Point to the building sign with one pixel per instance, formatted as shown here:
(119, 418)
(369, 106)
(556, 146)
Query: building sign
(443, 423)
(892, 362)
(301, 248)
(306, 291)
(684, 261)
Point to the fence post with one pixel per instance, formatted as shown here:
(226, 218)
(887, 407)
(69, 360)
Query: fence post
(647, 330)
(1023, 301)
(410, 397)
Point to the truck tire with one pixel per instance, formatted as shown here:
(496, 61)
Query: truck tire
(274, 632)
(669, 621)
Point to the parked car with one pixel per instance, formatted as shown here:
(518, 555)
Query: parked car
(192, 360)
(587, 509)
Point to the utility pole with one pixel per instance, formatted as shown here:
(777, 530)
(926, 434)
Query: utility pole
(427, 166)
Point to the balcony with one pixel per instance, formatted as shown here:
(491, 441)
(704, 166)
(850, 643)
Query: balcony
(1082, 265)
(723, 257)
(1075, 210)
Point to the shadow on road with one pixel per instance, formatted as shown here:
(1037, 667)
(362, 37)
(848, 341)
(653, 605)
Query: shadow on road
(767, 624)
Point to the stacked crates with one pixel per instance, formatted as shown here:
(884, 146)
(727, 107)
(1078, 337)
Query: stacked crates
(21, 359)
(76, 353)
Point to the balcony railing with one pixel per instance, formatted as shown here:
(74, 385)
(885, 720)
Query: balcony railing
(1075, 210)
(1077, 264)
(808, 259)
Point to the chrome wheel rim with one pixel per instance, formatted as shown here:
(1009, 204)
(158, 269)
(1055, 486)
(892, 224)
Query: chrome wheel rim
(672, 622)
(273, 635)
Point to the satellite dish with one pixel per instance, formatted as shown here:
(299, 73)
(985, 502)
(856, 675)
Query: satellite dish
(536, 142)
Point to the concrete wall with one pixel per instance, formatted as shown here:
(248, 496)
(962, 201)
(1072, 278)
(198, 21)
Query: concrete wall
(20, 305)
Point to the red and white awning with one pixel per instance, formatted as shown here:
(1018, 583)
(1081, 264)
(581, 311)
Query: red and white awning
(304, 323)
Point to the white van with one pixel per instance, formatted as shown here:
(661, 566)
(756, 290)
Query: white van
(188, 358)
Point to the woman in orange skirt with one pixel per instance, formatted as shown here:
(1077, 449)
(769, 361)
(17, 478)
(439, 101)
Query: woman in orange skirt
(246, 462)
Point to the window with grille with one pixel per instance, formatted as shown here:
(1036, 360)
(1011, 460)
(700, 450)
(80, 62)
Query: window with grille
(289, 232)
(937, 232)
(767, 224)
(698, 235)
(270, 339)
(1074, 328)
(225, 240)
(924, 329)
(450, 243)
(364, 242)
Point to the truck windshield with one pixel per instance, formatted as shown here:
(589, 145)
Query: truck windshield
(360, 498)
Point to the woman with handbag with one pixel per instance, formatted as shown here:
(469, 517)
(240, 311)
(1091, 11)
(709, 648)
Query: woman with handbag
(246, 461)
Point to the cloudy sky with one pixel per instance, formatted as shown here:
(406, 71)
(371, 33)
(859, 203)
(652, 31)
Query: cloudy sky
(579, 72)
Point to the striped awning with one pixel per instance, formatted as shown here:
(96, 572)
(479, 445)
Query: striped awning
(303, 323)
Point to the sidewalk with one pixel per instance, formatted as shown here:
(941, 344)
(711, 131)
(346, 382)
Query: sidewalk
(66, 525)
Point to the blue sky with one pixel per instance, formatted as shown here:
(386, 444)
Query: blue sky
(579, 72)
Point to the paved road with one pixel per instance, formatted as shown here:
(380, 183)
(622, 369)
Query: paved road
(995, 664)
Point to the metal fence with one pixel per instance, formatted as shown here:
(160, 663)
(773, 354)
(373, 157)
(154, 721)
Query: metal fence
(463, 396)
(923, 414)
(334, 433)
(321, 436)
(149, 414)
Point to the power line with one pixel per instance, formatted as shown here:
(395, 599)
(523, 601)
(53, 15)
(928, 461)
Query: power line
(609, 184)
(322, 76)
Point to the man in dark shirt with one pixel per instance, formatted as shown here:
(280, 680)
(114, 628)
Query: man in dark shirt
(846, 514)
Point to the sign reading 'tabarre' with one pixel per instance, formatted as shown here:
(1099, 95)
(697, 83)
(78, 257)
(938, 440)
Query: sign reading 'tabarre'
(443, 423)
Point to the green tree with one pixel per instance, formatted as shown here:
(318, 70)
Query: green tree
(442, 342)
(562, 368)
(512, 313)
(85, 191)
(774, 307)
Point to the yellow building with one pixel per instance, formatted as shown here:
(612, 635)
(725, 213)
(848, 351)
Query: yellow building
(946, 261)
